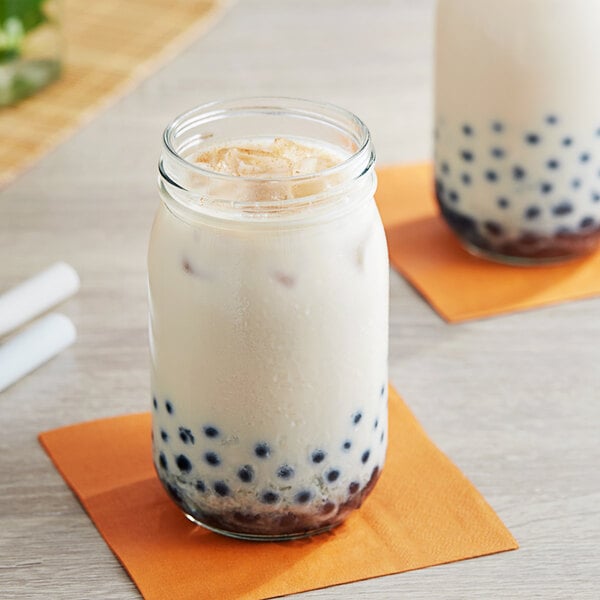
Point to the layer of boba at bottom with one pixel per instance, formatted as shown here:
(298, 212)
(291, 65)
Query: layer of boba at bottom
(282, 523)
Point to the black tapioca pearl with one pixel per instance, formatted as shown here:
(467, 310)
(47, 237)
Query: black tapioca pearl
(327, 508)
(532, 138)
(491, 176)
(382, 391)
(453, 196)
(262, 450)
(303, 497)
(503, 202)
(497, 126)
(169, 407)
(318, 456)
(210, 431)
(200, 485)
(155, 402)
(552, 119)
(585, 157)
(246, 473)
(568, 141)
(162, 461)
(354, 487)
(468, 129)
(564, 208)
(466, 179)
(598, 132)
(493, 228)
(212, 458)
(221, 488)
(269, 497)
(164, 436)
(587, 222)
(365, 456)
(439, 188)
(532, 212)
(285, 472)
(174, 493)
(186, 436)
(467, 155)
(347, 445)
(376, 424)
(183, 463)
(546, 187)
(595, 197)
(518, 173)
(356, 417)
(498, 152)
(332, 475)
(553, 164)
(382, 437)
(445, 168)
(576, 183)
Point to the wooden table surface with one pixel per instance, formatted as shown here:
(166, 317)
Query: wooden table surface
(513, 400)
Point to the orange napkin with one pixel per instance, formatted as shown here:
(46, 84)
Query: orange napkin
(460, 286)
(422, 512)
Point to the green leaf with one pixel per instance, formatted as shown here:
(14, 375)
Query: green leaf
(29, 12)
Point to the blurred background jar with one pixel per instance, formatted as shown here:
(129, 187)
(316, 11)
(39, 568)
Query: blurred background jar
(517, 126)
(30, 47)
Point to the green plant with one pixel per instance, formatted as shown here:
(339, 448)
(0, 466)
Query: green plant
(17, 18)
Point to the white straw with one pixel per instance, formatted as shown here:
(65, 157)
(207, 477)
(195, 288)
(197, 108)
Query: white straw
(34, 346)
(36, 295)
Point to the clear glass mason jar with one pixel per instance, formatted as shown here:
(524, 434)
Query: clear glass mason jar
(268, 325)
(517, 149)
(30, 47)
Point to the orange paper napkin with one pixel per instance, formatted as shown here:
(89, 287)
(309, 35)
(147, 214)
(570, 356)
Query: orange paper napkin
(422, 512)
(460, 286)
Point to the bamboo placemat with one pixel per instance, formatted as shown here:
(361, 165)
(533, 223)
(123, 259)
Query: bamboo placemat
(111, 46)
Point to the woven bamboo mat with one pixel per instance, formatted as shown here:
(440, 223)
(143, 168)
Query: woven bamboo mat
(111, 46)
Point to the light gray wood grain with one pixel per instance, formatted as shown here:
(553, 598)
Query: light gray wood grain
(512, 400)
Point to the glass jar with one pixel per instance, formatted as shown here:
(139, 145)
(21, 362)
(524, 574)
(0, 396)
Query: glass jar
(517, 149)
(30, 47)
(268, 325)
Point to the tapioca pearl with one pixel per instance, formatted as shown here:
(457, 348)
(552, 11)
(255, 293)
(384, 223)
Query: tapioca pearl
(518, 173)
(155, 402)
(382, 390)
(467, 155)
(493, 228)
(532, 212)
(164, 436)
(566, 142)
(445, 168)
(576, 183)
(376, 424)
(585, 157)
(497, 126)
(453, 196)
(595, 197)
(347, 445)
(162, 461)
(221, 488)
(269, 497)
(562, 209)
(439, 187)
(285, 472)
(598, 132)
(466, 179)
(382, 437)
(212, 458)
(169, 407)
(562, 231)
(174, 493)
(262, 450)
(200, 486)
(183, 463)
(468, 129)
(356, 417)
(552, 119)
(303, 497)
(587, 222)
(503, 202)
(186, 436)
(210, 431)
(318, 456)
(365, 456)
(532, 138)
(354, 487)
(332, 475)
(327, 508)
(546, 187)
(246, 473)
(553, 164)
(498, 152)
(491, 176)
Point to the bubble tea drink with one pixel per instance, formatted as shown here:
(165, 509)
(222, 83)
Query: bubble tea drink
(268, 284)
(517, 151)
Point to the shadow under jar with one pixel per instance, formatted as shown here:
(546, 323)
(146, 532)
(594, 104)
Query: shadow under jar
(517, 127)
(268, 289)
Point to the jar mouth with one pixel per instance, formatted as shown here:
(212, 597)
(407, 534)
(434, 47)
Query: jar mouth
(179, 137)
